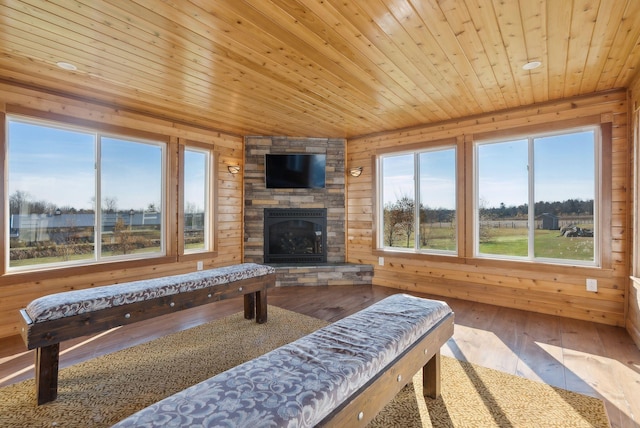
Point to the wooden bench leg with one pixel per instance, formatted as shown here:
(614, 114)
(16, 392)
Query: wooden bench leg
(261, 306)
(47, 359)
(431, 377)
(249, 306)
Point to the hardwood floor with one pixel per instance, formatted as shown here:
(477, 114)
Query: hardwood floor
(584, 357)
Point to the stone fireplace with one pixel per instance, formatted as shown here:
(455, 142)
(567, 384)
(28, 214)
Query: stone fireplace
(295, 235)
(260, 200)
(313, 250)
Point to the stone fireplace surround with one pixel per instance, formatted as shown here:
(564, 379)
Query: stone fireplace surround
(332, 198)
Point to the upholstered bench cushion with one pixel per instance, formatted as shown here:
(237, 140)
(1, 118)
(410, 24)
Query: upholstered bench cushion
(77, 302)
(299, 384)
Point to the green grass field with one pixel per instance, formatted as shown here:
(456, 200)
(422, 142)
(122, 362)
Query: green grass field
(73, 257)
(548, 244)
(513, 242)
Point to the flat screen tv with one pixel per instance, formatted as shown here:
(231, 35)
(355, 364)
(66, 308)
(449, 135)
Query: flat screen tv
(295, 171)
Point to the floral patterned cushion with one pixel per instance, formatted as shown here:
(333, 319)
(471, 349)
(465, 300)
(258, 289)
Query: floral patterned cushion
(77, 302)
(299, 384)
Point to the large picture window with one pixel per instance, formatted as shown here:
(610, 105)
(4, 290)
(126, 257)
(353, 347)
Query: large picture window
(428, 177)
(77, 196)
(536, 197)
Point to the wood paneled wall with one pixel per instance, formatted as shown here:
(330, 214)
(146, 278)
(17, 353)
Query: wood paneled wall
(551, 289)
(633, 312)
(16, 290)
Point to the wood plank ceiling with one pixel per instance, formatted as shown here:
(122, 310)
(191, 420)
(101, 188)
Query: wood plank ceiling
(319, 68)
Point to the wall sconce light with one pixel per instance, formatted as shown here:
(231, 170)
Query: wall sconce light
(355, 171)
(233, 169)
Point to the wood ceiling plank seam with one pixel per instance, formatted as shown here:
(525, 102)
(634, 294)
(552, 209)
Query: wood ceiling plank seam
(507, 119)
(486, 25)
(626, 42)
(320, 96)
(17, 77)
(42, 49)
(49, 20)
(584, 17)
(559, 14)
(364, 116)
(249, 120)
(351, 70)
(312, 104)
(76, 40)
(411, 77)
(509, 19)
(278, 35)
(339, 99)
(345, 40)
(606, 25)
(158, 109)
(456, 16)
(101, 108)
(534, 25)
(432, 109)
(390, 44)
(613, 52)
(426, 49)
(161, 101)
(437, 30)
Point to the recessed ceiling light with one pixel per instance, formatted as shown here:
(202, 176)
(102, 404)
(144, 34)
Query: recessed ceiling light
(531, 65)
(66, 66)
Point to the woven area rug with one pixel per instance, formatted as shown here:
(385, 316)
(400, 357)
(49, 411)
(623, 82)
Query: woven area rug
(101, 391)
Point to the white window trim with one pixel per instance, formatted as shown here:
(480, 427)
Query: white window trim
(597, 130)
(96, 259)
(416, 174)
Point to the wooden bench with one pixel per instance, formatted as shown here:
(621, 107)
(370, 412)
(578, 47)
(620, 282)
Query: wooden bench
(51, 319)
(341, 375)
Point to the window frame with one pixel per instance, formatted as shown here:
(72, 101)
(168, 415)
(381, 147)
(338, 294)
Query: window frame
(465, 183)
(212, 192)
(99, 131)
(380, 248)
(602, 200)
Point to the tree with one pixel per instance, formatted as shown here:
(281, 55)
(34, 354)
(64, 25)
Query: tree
(124, 236)
(403, 216)
(110, 205)
(19, 202)
(485, 216)
(389, 226)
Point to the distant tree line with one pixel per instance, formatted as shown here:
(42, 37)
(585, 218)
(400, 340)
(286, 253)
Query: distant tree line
(399, 215)
(570, 207)
(21, 202)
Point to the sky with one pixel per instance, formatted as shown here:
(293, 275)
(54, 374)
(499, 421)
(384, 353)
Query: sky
(437, 183)
(58, 166)
(563, 165)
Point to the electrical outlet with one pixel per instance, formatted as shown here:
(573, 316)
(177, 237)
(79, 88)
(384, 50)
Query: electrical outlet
(381, 261)
(200, 265)
(592, 284)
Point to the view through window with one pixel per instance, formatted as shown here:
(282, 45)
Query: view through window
(77, 196)
(428, 177)
(536, 197)
(196, 200)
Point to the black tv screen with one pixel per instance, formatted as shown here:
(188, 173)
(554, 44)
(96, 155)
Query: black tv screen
(295, 171)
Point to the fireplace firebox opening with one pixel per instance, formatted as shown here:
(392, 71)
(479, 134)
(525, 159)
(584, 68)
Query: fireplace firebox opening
(295, 235)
